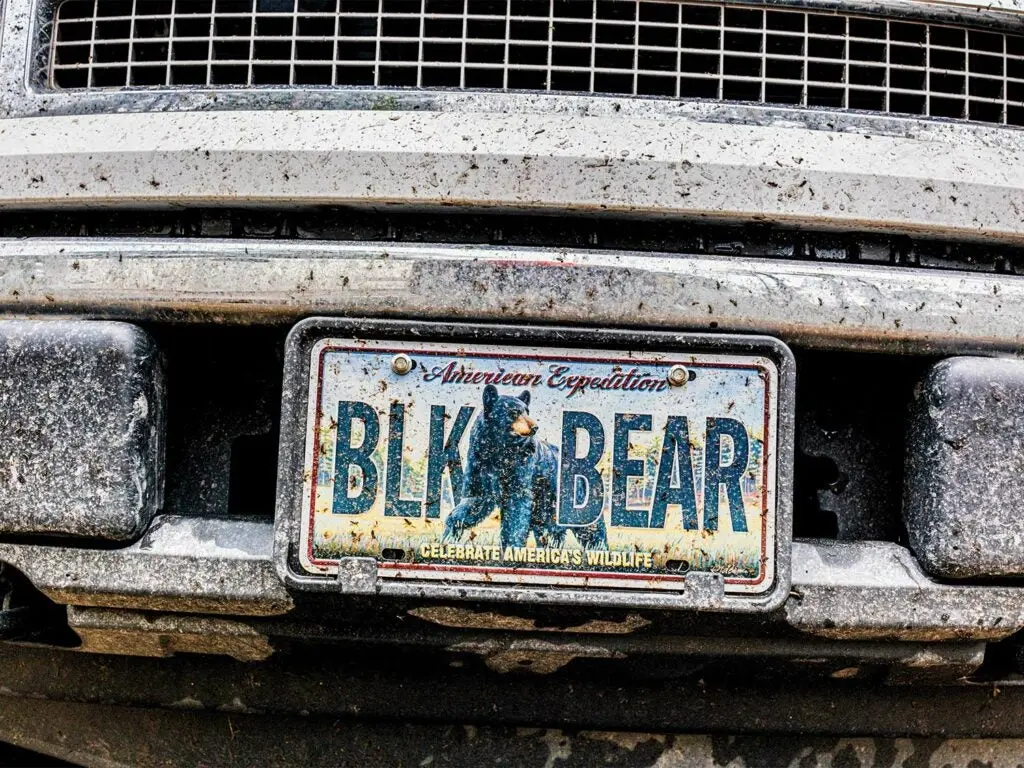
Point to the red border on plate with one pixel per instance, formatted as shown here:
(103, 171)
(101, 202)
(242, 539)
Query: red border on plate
(545, 572)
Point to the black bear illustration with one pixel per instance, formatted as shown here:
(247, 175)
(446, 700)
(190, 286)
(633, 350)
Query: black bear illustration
(508, 467)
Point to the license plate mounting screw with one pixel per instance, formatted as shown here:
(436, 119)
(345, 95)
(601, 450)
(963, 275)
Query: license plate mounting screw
(401, 364)
(678, 375)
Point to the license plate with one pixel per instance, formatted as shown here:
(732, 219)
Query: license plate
(606, 469)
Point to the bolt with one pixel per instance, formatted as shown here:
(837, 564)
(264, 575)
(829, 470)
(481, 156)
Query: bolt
(401, 364)
(678, 375)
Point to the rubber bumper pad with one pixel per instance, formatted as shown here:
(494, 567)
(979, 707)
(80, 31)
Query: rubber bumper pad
(82, 429)
(964, 495)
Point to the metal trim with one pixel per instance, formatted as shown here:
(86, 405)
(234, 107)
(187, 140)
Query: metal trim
(182, 564)
(843, 590)
(958, 183)
(815, 304)
(874, 590)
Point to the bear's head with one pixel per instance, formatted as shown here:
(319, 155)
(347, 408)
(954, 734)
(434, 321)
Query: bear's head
(507, 416)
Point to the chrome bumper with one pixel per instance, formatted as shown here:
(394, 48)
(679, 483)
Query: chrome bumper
(843, 591)
(892, 176)
(824, 305)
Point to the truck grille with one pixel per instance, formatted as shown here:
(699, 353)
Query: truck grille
(658, 49)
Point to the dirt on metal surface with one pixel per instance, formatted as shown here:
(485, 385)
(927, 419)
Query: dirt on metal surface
(111, 737)
(466, 618)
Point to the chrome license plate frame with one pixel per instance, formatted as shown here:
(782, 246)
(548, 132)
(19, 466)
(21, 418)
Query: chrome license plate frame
(419, 389)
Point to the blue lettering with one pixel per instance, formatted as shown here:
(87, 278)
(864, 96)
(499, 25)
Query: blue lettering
(580, 487)
(675, 450)
(347, 456)
(624, 468)
(394, 505)
(717, 475)
(444, 454)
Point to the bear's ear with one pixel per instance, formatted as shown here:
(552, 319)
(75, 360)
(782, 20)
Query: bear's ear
(525, 397)
(490, 396)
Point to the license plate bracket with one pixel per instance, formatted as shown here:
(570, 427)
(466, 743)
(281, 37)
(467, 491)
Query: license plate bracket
(572, 488)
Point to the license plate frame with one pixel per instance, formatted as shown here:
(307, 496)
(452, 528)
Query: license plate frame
(355, 572)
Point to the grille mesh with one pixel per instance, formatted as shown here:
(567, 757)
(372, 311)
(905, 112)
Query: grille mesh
(649, 48)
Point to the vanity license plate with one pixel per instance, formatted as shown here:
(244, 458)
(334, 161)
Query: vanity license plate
(597, 468)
